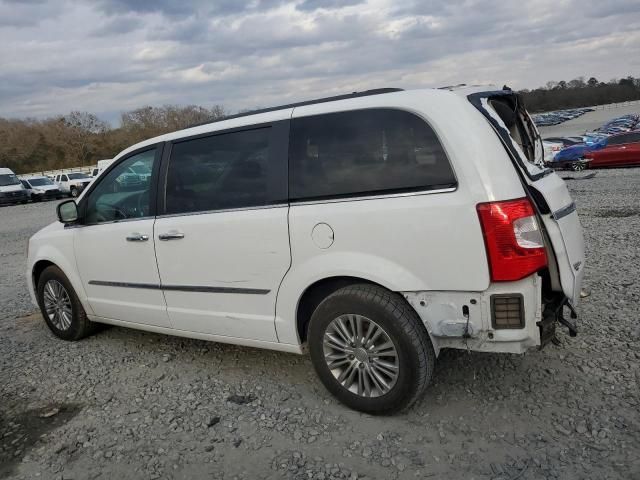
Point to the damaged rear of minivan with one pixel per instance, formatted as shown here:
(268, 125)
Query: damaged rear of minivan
(559, 237)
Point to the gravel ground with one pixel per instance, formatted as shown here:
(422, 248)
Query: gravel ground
(127, 404)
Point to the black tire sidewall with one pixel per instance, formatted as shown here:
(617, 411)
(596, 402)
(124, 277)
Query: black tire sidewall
(408, 357)
(76, 330)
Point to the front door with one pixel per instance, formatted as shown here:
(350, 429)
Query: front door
(222, 243)
(115, 250)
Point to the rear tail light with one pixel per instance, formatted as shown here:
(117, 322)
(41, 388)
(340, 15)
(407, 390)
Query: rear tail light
(513, 239)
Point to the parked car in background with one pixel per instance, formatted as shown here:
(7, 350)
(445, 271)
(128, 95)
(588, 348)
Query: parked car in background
(294, 228)
(11, 189)
(550, 150)
(41, 188)
(573, 157)
(565, 141)
(102, 165)
(621, 151)
(72, 183)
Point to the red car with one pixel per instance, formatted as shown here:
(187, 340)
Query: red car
(622, 150)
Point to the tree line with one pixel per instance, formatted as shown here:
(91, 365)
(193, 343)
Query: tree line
(581, 93)
(81, 138)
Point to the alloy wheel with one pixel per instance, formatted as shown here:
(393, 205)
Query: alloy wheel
(361, 355)
(57, 304)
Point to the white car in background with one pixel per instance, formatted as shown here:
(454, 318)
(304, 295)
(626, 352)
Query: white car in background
(41, 188)
(101, 165)
(72, 183)
(11, 189)
(550, 150)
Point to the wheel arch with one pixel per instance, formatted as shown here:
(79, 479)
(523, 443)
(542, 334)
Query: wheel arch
(37, 270)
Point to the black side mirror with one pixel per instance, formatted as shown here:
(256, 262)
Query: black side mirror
(67, 212)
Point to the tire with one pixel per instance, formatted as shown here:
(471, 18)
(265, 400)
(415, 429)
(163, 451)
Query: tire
(577, 166)
(73, 192)
(414, 358)
(79, 326)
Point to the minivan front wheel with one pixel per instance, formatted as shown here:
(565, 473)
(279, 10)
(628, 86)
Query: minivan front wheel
(60, 307)
(370, 349)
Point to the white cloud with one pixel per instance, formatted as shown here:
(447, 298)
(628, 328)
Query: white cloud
(107, 56)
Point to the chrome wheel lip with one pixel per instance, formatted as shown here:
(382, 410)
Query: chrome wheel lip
(57, 304)
(361, 355)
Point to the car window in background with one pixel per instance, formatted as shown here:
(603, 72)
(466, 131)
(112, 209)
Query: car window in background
(219, 172)
(63, 178)
(626, 138)
(25, 184)
(9, 179)
(117, 198)
(365, 151)
(39, 182)
(78, 176)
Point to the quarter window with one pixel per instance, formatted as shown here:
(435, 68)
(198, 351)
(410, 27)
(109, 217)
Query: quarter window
(365, 152)
(229, 170)
(121, 193)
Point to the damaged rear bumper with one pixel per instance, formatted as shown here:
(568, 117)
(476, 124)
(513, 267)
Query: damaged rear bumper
(466, 320)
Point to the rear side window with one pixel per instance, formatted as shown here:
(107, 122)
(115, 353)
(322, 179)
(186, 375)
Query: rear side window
(626, 138)
(230, 170)
(365, 152)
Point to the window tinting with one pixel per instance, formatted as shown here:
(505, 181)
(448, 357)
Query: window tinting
(229, 170)
(365, 151)
(626, 138)
(122, 194)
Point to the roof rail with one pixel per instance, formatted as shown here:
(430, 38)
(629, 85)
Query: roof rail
(365, 93)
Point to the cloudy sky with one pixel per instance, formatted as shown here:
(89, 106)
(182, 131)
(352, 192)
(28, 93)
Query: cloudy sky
(107, 56)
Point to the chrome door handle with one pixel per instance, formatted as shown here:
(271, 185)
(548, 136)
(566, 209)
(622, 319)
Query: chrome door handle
(171, 235)
(137, 237)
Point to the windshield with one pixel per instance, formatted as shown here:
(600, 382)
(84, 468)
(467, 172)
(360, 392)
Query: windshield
(39, 182)
(78, 176)
(10, 179)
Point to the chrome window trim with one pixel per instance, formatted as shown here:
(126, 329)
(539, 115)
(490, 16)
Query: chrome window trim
(222, 210)
(381, 196)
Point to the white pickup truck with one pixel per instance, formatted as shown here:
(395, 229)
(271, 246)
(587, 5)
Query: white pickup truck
(72, 183)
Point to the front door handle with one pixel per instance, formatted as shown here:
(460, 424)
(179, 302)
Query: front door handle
(137, 237)
(171, 235)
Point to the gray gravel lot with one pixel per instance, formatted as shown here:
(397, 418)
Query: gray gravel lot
(127, 404)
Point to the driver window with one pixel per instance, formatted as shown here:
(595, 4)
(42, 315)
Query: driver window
(123, 193)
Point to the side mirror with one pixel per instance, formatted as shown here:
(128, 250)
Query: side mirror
(67, 212)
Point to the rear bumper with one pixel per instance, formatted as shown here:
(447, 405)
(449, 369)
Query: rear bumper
(443, 314)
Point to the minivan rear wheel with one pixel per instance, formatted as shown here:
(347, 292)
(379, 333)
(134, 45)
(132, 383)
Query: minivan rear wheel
(370, 349)
(60, 307)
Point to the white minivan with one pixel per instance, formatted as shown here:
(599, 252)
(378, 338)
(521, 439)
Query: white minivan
(372, 230)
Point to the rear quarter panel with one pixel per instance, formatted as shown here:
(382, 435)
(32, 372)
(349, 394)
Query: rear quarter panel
(408, 242)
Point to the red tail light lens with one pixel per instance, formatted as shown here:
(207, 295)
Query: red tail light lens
(513, 239)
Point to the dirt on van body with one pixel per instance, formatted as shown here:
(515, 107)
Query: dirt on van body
(127, 404)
